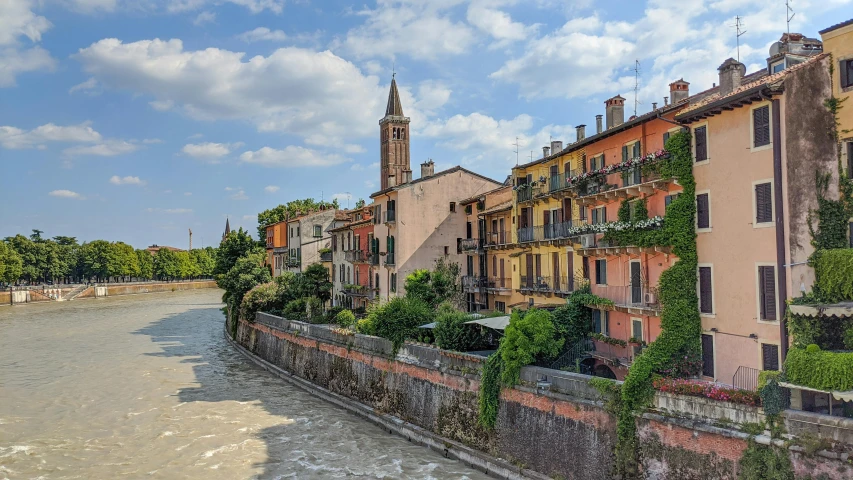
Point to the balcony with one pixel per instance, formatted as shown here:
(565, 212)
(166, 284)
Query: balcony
(525, 234)
(354, 290)
(525, 193)
(553, 231)
(389, 259)
(593, 245)
(563, 285)
(473, 283)
(631, 299)
(497, 239)
(627, 184)
(373, 259)
(325, 257)
(536, 283)
(497, 284)
(292, 262)
(470, 244)
(356, 256)
(390, 216)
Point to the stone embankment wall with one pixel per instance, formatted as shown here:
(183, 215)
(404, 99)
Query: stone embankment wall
(553, 424)
(52, 294)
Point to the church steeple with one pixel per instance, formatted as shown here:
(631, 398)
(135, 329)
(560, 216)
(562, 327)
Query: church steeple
(394, 163)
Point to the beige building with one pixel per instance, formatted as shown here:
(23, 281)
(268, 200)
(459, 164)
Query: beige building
(307, 235)
(759, 141)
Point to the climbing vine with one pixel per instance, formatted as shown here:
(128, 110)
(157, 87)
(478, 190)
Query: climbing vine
(679, 342)
(761, 462)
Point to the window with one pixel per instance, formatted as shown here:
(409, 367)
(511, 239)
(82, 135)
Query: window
(500, 307)
(393, 282)
(453, 207)
(601, 322)
(334, 270)
(446, 250)
(669, 198)
(318, 231)
(297, 230)
(700, 136)
(666, 136)
(585, 268)
(767, 292)
(601, 271)
(703, 211)
(846, 68)
(706, 294)
(761, 126)
(769, 356)
(763, 204)
(599, 215)
(777, 67)
(708, 355)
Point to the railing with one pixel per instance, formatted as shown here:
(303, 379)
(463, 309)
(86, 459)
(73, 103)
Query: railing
(357, 290)
(527, 193)
(558, 182)
(356, 256)
(536, 283)
(292, 262)
(469, 244)
(745, 378)
(326, 256)
(564, 284)
(553, 231)
(499, 283)
(494, 239)
(525, 234)
(473, 282)
(390, 216)
(639, 296)
(373, 259)
(571, 358)
(389, 258)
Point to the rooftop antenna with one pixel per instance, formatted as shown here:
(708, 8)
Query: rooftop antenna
(636, 84)
(738, 24)
(191, 239)
(791, 16)
(516, 150)
(348, 197)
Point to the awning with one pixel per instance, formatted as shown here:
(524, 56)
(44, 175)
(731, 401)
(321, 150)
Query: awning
(841, 310)
(846, 396)
(429, 325)
(497, 323)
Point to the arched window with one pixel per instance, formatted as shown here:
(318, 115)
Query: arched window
(394, 133)
(402, 133)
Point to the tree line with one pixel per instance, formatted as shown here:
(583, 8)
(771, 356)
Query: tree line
(62, 259)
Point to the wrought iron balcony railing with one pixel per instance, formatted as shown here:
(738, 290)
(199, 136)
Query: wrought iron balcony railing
(469, 244)
(389, 259)
(326, 256)
(629, 296)
(536, 283)
(525, 234)
(356, 256)
(390, 216)
(373, 259)
(496, 239)
(473, 282)
(498, 283)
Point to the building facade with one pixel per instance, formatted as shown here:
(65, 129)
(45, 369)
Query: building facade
(308, 238)
(276, 245)
(838, 42)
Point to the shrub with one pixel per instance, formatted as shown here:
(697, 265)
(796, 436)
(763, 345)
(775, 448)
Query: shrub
(490, 390)
(834, 274)
(706, 390)
(527, 339)
(295, 309)
(451, 333)
(433, 287)
(820, 369)
(259, 299)
(345, 318)
(812, 348)
(399, 319)
(574, 320)
(761, 462)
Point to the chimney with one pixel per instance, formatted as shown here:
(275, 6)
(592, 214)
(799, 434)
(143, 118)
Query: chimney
(679, 90)
(546, 151)
(654, 105)
(556, 146)
(392, 180)
(427, 169)
(615, 111)
(598, 127)
(665, 101)
(731, 73)
(581, 132)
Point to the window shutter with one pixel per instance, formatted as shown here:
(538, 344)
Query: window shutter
(538, 264)
(546, 217)
(665, 138)
(845, 67)
(770, 356)
(567, 209)
(707, 355)
(596, 320)
(761, 126)
(603, 215)
(706, 304)
(768, 292)
(594, 215)
(763, 207)
(637, 150)
(702, 215)
(624, 153)
(701, 143)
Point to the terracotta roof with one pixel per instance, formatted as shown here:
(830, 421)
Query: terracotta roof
(753, 81)
(156, 248)
(481, 195)
(836, 26)
(497, 208)
(437, 175)
(342, 215)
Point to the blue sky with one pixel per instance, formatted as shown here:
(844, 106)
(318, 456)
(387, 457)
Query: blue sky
(135, 120)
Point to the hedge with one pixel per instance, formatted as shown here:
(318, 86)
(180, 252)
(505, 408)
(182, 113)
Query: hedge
(820, 369)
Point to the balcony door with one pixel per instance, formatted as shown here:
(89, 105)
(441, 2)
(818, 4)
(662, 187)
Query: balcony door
(468, 230)
(555, 268)
(636, 290)
(637, 333)
(502, 279)
(529, 270)
(470, 265)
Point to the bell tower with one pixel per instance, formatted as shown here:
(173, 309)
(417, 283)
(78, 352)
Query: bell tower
(394, 164)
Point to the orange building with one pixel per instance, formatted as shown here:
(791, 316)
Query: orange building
(276, 246)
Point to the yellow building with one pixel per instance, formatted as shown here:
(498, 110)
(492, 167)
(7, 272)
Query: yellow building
(542, 216)
(838, 41)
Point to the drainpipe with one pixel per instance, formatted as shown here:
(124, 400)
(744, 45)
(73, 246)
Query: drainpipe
(781, 272)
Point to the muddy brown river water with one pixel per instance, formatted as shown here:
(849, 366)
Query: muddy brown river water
(147, 387)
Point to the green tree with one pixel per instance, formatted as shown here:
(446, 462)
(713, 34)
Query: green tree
(289, 210)
(451, 333)
(167, 265)
(204, 261)
(574, 320)
(122, 260)
(146, 264)
(398, 319)
(187, 267)
(527, 339)
(433, 287)
(36, 235)
(11, 264)
(314, 282)
(237, 244)
(61, 240)
(248, 271)
(359, 203)
(26, 249)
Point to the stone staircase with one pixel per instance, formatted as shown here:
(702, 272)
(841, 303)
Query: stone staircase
(74, 293)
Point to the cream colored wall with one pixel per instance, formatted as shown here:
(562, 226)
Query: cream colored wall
(733, 246)
(839, 43)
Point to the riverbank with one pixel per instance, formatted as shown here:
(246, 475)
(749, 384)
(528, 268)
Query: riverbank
(554, 423)
(61, 293)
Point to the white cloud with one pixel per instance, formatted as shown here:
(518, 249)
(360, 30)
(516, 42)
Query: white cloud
(89, 84)
(18, 20)
(209, 151)
(422, 30)
(262, 34)
(254, 6)
(188, 194)
(497, 23)
(109, 148)
(353, 148)
(161, 105)
(342, 197)
(291, 156)
(239, 195)
(204, 17)
(357, 167)
(92, 6)
(12, 137)
(178, 210)
(116, 180)
(271, 188)
(66, 194)
(293, 90)
(151, 141)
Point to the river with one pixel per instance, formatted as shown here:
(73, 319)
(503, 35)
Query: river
(146, 386)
